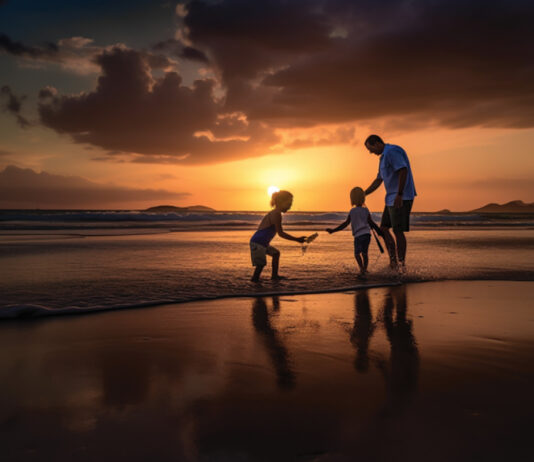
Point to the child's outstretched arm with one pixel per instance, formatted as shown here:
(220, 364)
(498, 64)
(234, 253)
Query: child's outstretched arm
(340, 227)
(280, 231)
(373, 225)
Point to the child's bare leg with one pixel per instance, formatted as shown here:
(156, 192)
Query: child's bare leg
(390, 245)
(276, 263)
(257, 272)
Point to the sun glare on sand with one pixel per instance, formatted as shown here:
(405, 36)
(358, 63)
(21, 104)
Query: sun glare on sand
(271, 190)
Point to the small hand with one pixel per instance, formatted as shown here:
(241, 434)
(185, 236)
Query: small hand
(398, 201)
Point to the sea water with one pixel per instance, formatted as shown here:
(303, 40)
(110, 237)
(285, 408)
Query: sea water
(71, 261)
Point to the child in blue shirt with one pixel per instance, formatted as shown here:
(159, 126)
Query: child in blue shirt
(268, 228)
(361, 221)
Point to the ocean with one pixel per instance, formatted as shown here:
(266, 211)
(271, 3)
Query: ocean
(57, 262)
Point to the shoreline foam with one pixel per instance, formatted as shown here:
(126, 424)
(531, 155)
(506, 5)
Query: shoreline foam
(36, 312)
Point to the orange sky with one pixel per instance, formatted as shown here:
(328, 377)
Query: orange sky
(455, 169)
(162, 105)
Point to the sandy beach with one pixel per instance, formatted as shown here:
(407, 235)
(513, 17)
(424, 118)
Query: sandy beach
(430, 371)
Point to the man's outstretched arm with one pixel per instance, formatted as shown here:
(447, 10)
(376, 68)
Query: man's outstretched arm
(374, 185)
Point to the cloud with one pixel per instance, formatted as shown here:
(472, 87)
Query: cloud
(13, 104)
(178, 49)
(159, 119)
(19, 49)
(453, 63)
(322, 137)
(278, 64)
(23, 188)
(74, 54)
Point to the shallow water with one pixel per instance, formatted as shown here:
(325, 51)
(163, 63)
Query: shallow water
(53, 271)
(438, 371)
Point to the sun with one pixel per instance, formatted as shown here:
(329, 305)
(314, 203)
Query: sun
(272, 189)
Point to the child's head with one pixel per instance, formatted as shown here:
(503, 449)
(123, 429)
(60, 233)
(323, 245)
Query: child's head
(357, 196)
(282, 200)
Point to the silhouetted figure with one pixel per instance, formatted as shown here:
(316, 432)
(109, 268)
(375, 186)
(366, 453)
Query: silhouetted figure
(273, 343)
(361, 222)
(270, 225)
(395, 172)
(362, 331)
(402, 374)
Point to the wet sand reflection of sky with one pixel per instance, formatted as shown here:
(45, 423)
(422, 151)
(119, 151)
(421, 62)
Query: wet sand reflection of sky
(371, 374)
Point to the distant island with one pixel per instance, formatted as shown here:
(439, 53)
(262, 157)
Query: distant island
(509, 207)
(173, 209)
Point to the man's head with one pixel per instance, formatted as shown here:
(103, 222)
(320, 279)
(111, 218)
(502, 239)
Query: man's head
(374, 144)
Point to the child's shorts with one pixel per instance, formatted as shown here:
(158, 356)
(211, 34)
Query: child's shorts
(258, 252)
(361, 243)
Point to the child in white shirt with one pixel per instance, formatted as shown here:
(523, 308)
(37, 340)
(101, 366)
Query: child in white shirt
(361, 221)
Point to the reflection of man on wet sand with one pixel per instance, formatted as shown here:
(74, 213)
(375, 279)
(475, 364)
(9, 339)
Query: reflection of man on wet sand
(362, 331)
(401, 375)
(272, 341)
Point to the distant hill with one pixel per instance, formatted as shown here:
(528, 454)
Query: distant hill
(173, 209)
(509, 207)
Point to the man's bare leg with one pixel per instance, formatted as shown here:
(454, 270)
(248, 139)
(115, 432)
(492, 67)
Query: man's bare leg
(390, 245)
(401, 246)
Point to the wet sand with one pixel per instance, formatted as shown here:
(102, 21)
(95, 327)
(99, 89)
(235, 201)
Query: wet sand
(435, 371)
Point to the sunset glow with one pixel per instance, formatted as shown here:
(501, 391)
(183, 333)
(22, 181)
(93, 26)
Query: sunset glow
(306, 226)
(271, 190)
(163, 115)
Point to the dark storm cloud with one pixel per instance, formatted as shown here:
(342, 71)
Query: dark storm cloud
(19, 49)
(47, 92)
(131, 112)
(248, 39)
(13, 104)
(78, 54)
(178, 49)
(300, 63)
(459, 63)
(25, 188)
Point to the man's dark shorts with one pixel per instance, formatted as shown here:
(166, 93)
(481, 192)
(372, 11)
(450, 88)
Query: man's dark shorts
(361, 244)
(397, 218)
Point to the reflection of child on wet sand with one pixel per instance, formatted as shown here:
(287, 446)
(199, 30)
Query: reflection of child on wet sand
(361, 221)
(268, 228)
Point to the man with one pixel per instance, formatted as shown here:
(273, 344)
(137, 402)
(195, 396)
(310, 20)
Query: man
(395, 172)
